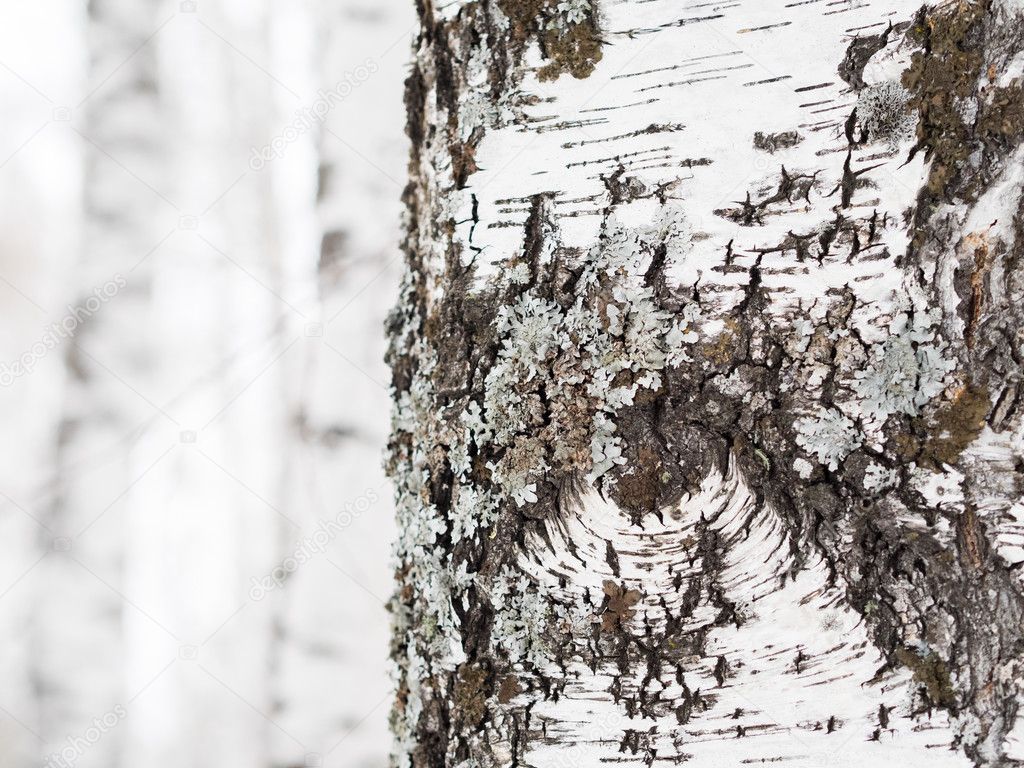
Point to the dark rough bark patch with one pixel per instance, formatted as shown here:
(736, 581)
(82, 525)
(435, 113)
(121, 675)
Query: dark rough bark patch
(954, 426)
(851, 69)
(472, 687)
(575, 50)
(773, 142)
(508, 689)
(932, 673)
(954, 39)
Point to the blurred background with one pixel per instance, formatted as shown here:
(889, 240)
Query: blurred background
(200, 217)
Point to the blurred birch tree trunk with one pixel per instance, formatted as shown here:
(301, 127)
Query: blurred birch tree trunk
(330, 679)
(201, 436)
(40, 171)
(221, 327)
(79, 634)
(707, 438)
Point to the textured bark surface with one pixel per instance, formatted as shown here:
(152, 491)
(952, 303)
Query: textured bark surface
(707, 440)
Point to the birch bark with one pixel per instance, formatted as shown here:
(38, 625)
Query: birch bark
(706, 435)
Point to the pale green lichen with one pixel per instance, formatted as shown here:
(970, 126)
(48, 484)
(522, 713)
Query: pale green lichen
(562, 369)
(879, 478)
(478, 108)
(883, 112)
(532, 621)
(803, 467)
(897, 375)
(425, 622)
(521, 618)
(569, 13)
(562, 372)
(904, 371)
(683, 335)
(829, 435)
(605, 447)
(472, 510)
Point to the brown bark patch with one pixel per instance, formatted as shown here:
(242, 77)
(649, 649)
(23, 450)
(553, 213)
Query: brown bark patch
(955, 426)
(470, 694)
(932, 673)
(943, 73)
(640, 489)
(508, 689)
(620, 606)
(977, 242)
(575, 49)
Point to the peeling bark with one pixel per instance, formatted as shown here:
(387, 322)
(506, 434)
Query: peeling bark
(706, 439)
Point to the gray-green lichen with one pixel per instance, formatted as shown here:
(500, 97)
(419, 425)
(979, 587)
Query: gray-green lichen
(883, 111)
(564, 367)
(905, 371)
(829, 435)
(561, 367)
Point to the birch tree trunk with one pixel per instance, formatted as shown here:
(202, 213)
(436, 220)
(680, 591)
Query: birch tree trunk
(707, 440)
(101, 452)
(221, 329)
(338, 491)
(35, 261)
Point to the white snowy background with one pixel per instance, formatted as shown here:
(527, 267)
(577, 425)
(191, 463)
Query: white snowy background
(194, 522)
